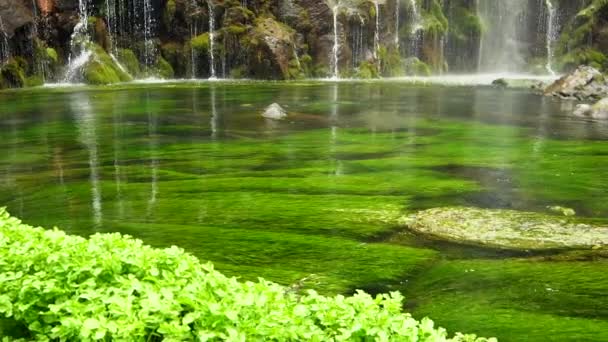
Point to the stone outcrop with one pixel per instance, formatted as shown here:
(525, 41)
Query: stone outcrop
(597, 111)
(274, 112)
(14, 15)
(582, 84)
(508, 229)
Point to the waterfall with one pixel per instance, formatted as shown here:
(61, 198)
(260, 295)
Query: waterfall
(79, 51)
(211, 40)
(149, 46)
(416, 19)
(551, 34)
(112, 23)
(5, 49)
(502, 49)
(397, 6)
(377, 30)
(193, 34)
(336, 48)
(357, 42)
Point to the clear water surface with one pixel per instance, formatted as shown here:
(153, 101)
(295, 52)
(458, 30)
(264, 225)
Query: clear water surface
(319, 199)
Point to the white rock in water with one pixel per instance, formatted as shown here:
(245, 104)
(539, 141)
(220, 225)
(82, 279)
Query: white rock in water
(582, 110)
(600, 109)
(274, 112)
(597, 111)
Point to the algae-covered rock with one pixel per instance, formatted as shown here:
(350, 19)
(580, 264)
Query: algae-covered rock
(164, 69)
(12, 75)
(508, 229)
(273, 47)
(129, 61)
(102, 69)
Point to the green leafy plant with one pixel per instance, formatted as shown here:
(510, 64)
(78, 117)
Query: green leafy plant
(55, 286)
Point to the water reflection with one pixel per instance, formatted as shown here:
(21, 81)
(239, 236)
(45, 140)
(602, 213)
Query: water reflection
(85, 120)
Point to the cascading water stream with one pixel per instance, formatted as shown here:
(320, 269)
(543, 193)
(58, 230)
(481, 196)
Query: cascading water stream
(503, 47)
(193, 34)
(149, 48)
(79, 50)
(551, 34)
(211, 40)
(336, 47)
(397, 6)
(377, 30)
(416, 26)
(5, 50)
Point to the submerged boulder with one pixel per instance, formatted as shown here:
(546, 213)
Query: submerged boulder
(583, 83)
(597, 111)
(508, 229)
(274, 112)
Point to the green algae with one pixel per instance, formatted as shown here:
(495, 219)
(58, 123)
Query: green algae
(516, 299)
(321, 196)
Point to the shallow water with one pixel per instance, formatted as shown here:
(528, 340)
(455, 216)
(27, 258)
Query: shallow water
(322, 196)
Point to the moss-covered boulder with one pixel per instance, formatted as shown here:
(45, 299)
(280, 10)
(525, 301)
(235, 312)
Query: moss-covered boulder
(12, 75)
(271, 48)
(129, 61)
(102, 69)
(508, 229)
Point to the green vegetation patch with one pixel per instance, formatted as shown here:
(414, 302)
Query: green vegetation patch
(112, 287)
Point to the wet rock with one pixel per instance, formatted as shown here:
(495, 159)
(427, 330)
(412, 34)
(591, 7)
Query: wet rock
(597, 111)
(14, 15)
(508, 229)
(275, 112)
(583, 83)
(274, 44)
(519, 83)
(582, 110)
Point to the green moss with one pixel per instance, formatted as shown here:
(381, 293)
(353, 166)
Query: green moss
(581, 42)
(516, 300)
(169, 12)
(367, 70)
(391, 64)
(165, 70)
(34, 81)
(200, 43)
(12, 75)
(102, 69)
(236, 29)
(129, 61)
(464, 24)
(52, 54)
(416, 67)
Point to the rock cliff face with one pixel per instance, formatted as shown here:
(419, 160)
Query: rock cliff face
(287, 39)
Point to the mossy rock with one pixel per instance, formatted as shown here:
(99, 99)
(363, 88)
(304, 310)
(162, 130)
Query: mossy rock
(416, 67)
(102, 69)
(129, 61)
(508, 229)
(200, 43)
(12, 75)
(367, 70)
(34, 81)
(164, 69)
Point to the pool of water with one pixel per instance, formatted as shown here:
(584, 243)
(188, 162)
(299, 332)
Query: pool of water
(319, 200)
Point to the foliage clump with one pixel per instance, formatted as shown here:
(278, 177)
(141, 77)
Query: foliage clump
(54, 286)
